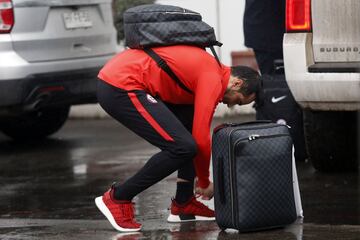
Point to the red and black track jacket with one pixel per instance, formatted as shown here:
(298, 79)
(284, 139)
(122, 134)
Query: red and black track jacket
(133, 69)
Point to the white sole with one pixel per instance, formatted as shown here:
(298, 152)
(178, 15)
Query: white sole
(102, 207)
(128, 235)
(176, 219)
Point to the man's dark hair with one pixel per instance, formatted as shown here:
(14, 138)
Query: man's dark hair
(250, 77)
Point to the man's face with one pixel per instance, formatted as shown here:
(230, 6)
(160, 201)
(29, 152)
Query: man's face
(232, 98)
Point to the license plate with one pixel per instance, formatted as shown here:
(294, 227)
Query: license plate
(78, 19)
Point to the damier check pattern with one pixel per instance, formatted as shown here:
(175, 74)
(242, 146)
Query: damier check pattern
(220, 152)
(162, 25)
(263, 196)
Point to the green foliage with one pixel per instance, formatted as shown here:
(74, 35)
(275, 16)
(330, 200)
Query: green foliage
(120, 6)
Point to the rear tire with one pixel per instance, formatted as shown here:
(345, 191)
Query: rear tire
(331, 140)
(35, 125)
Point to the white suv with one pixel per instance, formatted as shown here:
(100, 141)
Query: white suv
(322, 63)
(50, 54)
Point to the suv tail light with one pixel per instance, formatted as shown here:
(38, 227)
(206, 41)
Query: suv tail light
(6, 16)
(298, 16)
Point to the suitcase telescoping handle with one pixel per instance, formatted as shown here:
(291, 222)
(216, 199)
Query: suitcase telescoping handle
(224, 125)
(220, 183)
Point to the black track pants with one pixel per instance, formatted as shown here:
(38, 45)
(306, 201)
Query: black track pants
(166, 126)
(265, 60)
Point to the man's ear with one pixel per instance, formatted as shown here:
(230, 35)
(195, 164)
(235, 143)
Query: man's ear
(237, 83)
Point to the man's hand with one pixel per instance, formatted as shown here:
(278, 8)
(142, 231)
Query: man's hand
(206, 193)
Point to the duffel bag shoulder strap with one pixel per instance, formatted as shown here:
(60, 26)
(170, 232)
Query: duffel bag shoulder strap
(164, 66)
(215, 55)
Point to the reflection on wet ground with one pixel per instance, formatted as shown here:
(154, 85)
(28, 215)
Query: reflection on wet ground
(48, 188)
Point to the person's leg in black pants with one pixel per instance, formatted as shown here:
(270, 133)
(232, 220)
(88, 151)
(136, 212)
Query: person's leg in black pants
(265, 60)
(153, 121)
(186, 174)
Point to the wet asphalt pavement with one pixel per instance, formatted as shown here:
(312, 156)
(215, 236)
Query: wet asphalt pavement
(47, 191)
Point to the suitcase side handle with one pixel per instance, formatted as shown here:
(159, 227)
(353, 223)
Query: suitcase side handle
(221, 185)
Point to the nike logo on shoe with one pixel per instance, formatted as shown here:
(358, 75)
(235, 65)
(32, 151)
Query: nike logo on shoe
(278, 99)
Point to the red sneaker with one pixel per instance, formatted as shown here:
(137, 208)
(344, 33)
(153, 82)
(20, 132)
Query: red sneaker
(193, 210)
(119, 213)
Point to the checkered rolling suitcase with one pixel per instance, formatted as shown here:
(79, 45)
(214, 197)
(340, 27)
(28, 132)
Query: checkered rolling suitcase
(254, 176)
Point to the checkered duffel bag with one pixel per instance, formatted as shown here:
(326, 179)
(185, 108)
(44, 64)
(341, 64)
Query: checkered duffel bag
(153, 25)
